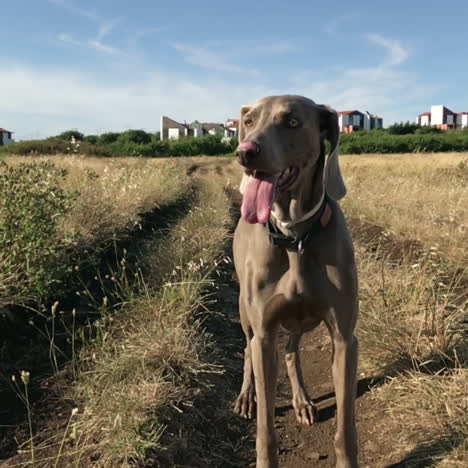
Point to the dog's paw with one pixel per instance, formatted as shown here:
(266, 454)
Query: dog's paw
(245, 404)
(306, 411)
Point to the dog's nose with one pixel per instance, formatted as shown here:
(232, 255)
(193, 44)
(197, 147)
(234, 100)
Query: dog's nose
(246, 151)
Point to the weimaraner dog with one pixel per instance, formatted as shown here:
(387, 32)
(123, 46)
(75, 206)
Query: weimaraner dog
(294, 259)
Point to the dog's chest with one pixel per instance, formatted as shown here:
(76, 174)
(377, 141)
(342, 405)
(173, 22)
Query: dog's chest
(298, 303)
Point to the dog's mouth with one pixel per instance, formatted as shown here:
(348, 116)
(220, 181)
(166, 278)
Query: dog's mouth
(260, 189)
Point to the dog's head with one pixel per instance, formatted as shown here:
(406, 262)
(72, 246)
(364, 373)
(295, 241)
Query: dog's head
(279, 137)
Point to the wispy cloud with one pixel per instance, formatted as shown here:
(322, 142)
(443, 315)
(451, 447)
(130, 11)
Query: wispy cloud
(209, 59)
(71, 7)
(375, 88)
(220, 55)
(397, 53)
(91, 43)
(104, 29)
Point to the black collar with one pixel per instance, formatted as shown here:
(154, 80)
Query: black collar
(298, 243)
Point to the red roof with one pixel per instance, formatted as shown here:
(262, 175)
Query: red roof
(349, 112)
(2, 130)
(425, 113)
(460, 113)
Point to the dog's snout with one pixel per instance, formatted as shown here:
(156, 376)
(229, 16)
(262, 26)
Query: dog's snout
(246, 151)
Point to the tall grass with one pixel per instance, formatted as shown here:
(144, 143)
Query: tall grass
(152, 351)
(422, 197)
(55, 214)
(413, 320)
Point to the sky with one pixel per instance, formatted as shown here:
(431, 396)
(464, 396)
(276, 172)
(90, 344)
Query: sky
(110, 65)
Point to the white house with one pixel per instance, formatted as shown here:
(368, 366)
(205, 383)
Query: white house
(172, 130)
(231, 128)
(6, 137)
(354, 120)
(443, 118)
(462, 119)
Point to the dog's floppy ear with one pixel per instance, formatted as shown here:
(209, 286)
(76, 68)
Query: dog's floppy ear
(244, 110)
(329, 129)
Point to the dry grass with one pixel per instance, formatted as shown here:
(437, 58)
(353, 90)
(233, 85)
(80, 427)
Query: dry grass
(431, 412)
(420, 196)
(113, 192)
(152, 350)
(111, 195)
(414, 314)
(413, 311)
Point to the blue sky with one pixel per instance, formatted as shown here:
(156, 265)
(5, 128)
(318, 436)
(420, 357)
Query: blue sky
(112, 64)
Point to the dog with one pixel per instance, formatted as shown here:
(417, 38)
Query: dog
(294, 259)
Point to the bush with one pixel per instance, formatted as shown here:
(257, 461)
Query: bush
(428, 129)
(93, 139)
(403, 128)
(32, 205)
(374, 142)
(71, 133)
(124, 146)
(139, 137)
(107, 138)
(207, 145)
(53, 146)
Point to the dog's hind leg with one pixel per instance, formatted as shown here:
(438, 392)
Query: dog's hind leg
(306, 411)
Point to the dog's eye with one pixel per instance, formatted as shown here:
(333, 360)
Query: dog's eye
(248, 122)
(292, 123)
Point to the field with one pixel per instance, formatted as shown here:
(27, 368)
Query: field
(120, 338)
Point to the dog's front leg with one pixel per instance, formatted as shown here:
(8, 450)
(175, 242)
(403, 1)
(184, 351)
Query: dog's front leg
(265, 366)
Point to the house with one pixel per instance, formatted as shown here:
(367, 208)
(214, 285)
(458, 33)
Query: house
(354, 120)
(231, 127)
(172, 130)
(6, 137)
(442, 117)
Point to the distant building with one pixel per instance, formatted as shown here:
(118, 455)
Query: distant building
(172, 130)
(354, 120)
(442, 117)
(6, 137)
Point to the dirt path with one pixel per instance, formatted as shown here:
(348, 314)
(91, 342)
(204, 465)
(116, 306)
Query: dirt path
(302, 446)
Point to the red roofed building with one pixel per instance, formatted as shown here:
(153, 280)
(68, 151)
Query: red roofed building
(6, 137)
(353, 120)
(443, 118)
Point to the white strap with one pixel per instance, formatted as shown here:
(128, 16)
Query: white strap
(309, 214)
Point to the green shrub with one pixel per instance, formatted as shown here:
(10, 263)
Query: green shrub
(55, 146)
(129, 143)
(383, 142)
(32, 205)
(428, 129)
(207, 145)
(403, 128)
(93, 139)
(135, 136)
(69, 134)
(107, 138)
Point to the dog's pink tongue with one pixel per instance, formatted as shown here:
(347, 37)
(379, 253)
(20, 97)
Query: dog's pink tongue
(258, 198)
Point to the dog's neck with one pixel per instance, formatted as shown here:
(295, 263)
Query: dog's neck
(295, 209)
